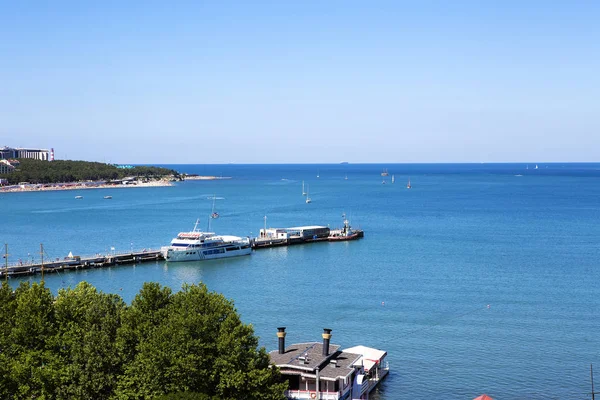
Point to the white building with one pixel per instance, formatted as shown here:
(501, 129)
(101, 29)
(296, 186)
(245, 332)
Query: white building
(6, 167)
(36, 154)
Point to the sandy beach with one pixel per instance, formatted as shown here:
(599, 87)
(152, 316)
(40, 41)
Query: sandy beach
(79, 186)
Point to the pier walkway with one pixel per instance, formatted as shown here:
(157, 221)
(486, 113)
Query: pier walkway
(268, 238)
(76, 262)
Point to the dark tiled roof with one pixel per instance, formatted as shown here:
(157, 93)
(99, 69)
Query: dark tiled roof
(336, 364)
(339, 366)
(311, 352)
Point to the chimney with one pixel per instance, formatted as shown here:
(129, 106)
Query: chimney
(281, 336)
(326, 336)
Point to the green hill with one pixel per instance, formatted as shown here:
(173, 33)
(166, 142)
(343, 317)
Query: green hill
(36, 171)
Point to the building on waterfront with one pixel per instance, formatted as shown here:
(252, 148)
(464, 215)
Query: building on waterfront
(269, 237)
(309, 232)
(273, 233)
(37, 154)
(301, 232)
(8, 166)
(318, 370)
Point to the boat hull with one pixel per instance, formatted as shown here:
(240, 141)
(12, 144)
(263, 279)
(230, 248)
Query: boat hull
(204, 255)
(353, 236)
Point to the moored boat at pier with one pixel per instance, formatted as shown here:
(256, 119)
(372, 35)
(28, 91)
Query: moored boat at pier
(345, 233)
(197, 245)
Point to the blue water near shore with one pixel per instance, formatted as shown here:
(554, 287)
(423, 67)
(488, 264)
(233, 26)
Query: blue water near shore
(482, 278)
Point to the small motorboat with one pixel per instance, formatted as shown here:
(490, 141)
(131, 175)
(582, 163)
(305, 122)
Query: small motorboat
(79, 197)
(108, 197)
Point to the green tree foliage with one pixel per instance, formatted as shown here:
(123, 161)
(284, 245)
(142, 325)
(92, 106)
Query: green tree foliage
(7, 318)
(184, 396)
(27, 349)
(88, 362)
(60, 171)
(85, 344)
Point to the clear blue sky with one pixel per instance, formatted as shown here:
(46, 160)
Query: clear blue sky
(287, 81)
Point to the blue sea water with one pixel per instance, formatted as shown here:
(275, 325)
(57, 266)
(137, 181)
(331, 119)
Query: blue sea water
(482, 278)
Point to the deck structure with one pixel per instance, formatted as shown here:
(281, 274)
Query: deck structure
(318, 370)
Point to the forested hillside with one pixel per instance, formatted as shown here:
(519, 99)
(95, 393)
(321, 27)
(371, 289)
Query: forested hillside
(37, 171)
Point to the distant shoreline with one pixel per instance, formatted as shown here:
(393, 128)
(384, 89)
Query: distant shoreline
(203, 177)
(79, 186)
(47, 187)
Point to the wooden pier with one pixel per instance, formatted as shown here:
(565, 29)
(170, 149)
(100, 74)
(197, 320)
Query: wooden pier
(77, 262)
(272, 237)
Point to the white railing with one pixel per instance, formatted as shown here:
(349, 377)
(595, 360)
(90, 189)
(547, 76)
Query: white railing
(311, 394)
(31, 261)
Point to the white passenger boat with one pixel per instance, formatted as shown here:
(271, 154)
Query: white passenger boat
(197, 245)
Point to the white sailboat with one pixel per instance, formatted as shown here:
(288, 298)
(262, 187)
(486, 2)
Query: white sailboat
(393, 179)
(317, 173)
(307, 197)
(346, 177)
(213, 213)
(303, 192)
(536, 167)
(408, 186)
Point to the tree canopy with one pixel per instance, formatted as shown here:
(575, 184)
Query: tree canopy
(59, 171)
(85, 344)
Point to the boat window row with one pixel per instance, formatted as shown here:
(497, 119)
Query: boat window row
(195, 246)
(215, 251)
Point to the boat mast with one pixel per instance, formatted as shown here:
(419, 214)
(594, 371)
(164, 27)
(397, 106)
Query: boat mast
(592, 377)
(42, 257)
(211, 213)
(6, 261)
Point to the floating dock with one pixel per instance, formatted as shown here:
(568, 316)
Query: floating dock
(323, 371)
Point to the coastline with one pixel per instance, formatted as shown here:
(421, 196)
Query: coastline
(45, 187)
(80, 185)
(204, 177)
